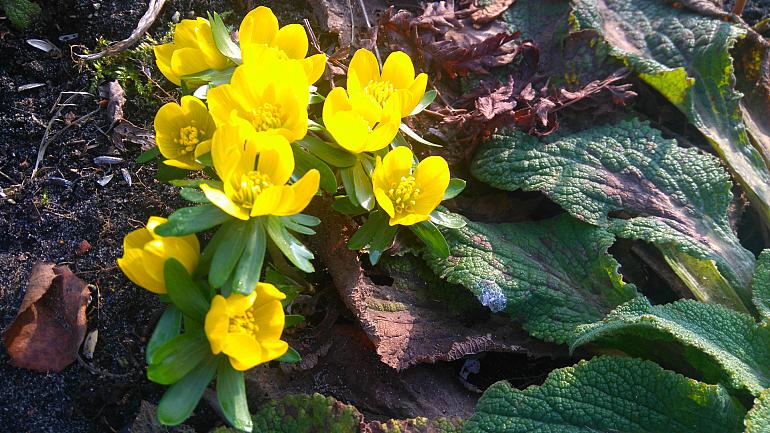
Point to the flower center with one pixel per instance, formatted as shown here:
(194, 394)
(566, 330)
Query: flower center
(189, 137)
(266, 116)
(379, 90)
(404, 195)
(244, 324)
(252, 184)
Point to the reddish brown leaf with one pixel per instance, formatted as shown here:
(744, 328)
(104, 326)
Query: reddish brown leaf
(116, 99)
(490, 12)
(51, 323)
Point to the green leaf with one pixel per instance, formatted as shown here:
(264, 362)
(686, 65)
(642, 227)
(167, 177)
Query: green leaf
(760, 286)
(249, 267)
(456, 186)
(292, 248)
(290, 357)
(342, 204)
(449, 220)
(194, 195)
(608, 395)
(196, 183)
(305, 161)
(554, 274)
(183, 291)
(332, 155)
(307, 414)
(177, 357)
(179, 400)
(425, 101)
(381, 241)
(730, 340)
(148, 155)
(376, 222)
(222, 39)
(169, 325)
(414, 136)
(236, 235)
(21, 13)
(678, 197)
(214, 77)
(231, 394)
(205, 159)
(167, 173)
(362, 184)
(685, 56)
(432, 237)
(189, 220)
(758, 418)
(293, 320)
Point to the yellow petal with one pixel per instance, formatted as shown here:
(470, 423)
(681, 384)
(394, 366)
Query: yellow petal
(163, 60)
(217, 323)
(416, 92)
(276, 159)
(397, 164)
(187, 163)
(238, 304)
(382, 135)
(153, 222)
(185, 32)
(292, 40)
(408, 219)
(187, 61)
(350, 130)
(314, 67)
(398, 69)
(134, 267)
(194, 109)
(432, 177)
(266, 292)
(220, 200)
(137, 238)
(270, 319)
(365, 68)
(301, 192)
(202, 148)
(384, 201)
(244, 351)
(258, 26)
(268, 201)
(336, 101)
(366, 107)
(273, 350)
(169, 120)
(222, 101)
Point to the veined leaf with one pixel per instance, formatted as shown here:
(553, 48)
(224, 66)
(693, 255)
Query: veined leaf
(554, 275)
(733, 341)
(608, 395)
(760, 286)
(685, 56)
(758, 418)
(676, 197)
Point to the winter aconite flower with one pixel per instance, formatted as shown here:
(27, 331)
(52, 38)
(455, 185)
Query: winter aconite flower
(358, 124)
(397, 77)
(272, 96)
(183, 132)
(261, 39)
(409, 197)
(247, 328)
(145, 253)
(254, 168)
(193, 50)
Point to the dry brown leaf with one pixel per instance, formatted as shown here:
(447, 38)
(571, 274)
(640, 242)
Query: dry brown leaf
(113, 92)
(407, 320)
(490, 12)
(51, 323)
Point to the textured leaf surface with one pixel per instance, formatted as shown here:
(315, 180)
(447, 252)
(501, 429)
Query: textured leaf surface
(729, 339)
(673, 196)
(608, 395)
(555, 274)
(685, 56)
(758, 418)
(760, 285)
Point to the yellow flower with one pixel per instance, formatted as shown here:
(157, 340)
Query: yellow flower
(193, 50)
(247, 328)
(183, 132)
(409, 197)
(358, 123)
(145, 253)
(397, 78)
(254, 168)
(272, 96)
(261, 38)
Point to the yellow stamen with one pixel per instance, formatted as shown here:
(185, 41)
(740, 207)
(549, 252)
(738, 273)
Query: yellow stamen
(252, 184)
(189, 137)
(266, 116)
(244, 324)
(380, 90)
(404, 195)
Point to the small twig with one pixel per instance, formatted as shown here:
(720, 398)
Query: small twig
(153, 9)
(369, 26)
(47, 138)
(314, 43)
(99, 371)
(738, 7)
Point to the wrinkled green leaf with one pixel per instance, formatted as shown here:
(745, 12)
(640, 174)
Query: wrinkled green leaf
(554, 275)
(608, 395)
(685, 56)
(307, 414)
(760, 286)
(758, 418)
(674, 196)
(189, 220)
(732, 340)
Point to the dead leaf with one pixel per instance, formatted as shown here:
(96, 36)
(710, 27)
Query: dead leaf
(490, 12)
(416, 318)
(126, 132)
(51, 323)
(116, 98)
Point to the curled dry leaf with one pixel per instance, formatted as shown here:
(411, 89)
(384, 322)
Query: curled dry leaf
(410, 320)
(490, 12)
(116, 98)
(51, 323)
